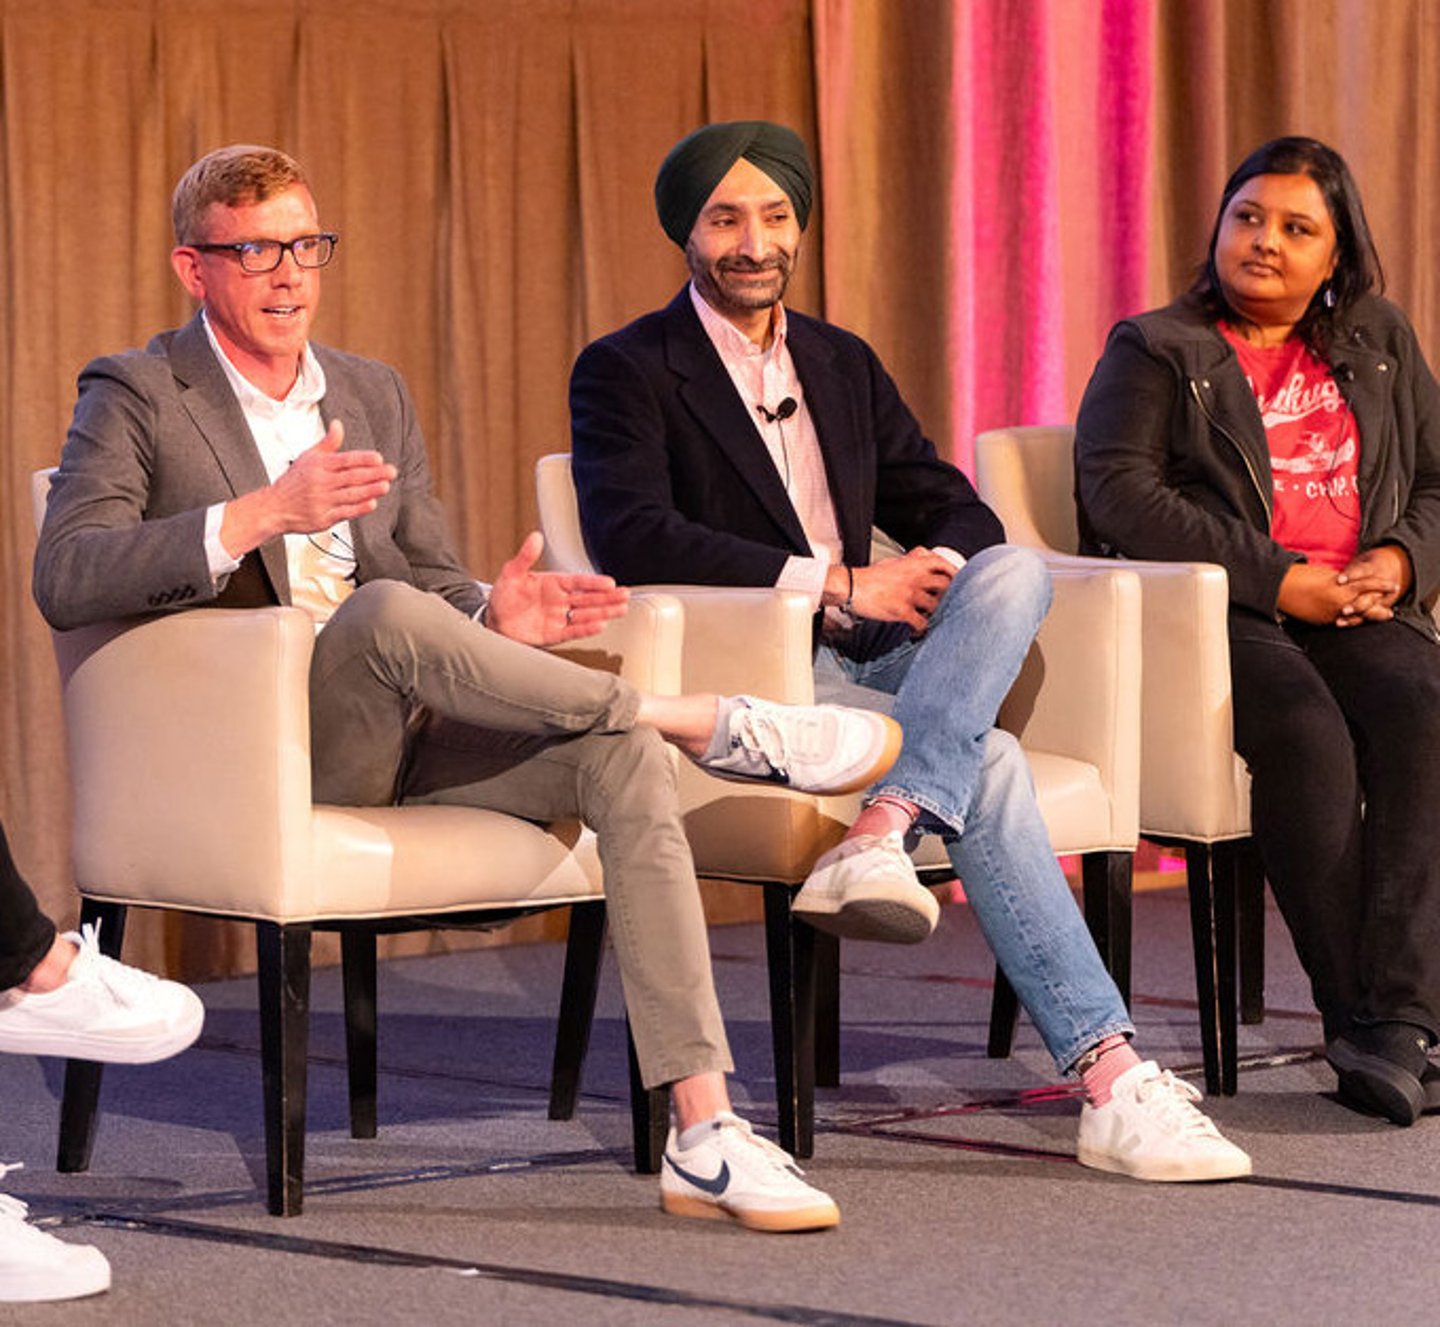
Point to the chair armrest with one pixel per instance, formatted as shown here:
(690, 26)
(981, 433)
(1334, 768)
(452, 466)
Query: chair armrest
(1079, 692)
(755, 641)
(644, 647)
(187, 729)
(1193, 785)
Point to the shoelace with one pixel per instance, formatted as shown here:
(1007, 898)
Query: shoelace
(12, 1207)
(774, 1153)
(127, 985)
(1177, 1100)
(757, 731)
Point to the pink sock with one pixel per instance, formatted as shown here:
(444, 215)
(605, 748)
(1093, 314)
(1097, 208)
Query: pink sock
(1114, 1056)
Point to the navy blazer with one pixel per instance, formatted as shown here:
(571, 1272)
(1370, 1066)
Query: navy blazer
(675, 483)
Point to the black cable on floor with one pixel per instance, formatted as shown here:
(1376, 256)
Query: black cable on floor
(568, 1282)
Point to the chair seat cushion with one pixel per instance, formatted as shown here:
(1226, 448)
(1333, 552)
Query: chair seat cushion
(385, 862)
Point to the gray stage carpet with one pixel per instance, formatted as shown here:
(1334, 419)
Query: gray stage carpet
(962, 1202)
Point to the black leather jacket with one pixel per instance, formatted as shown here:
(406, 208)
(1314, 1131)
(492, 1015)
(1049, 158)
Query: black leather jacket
(1171, 460)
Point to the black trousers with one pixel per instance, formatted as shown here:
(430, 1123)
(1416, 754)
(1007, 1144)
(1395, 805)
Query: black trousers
(26, 933)
(1341, 730)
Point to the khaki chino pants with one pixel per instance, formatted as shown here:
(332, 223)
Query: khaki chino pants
(411, 700)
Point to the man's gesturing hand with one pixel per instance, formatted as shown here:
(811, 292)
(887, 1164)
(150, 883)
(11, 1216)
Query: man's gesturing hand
(321, 488)
(547, 607)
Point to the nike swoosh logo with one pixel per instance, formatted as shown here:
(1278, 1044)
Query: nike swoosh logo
(716, 1186)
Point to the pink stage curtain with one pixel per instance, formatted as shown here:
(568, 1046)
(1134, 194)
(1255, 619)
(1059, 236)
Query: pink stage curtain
(988, 207)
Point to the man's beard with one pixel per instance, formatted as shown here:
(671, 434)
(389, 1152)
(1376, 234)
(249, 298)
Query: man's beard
(721, 293)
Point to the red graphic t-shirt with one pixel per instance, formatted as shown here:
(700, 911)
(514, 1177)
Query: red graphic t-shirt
(1314, 449)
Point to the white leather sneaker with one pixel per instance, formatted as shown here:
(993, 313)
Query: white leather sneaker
(866, 889)
(104, 1011)
(35, 1266)
(734, 1173)
(811, 748)
(1151, 1129)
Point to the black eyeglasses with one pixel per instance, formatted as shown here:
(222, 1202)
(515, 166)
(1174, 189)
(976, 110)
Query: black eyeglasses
(266, 255)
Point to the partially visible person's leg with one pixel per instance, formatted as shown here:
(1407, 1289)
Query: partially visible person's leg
(970, 782)
(59, 995)
(623, 786)
(27, 935)
(392, 651)
(1386, 679)
(947, 687)
(1023, 903)
(1305, 806)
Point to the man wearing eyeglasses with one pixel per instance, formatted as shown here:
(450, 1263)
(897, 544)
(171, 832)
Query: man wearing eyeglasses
(235, 463)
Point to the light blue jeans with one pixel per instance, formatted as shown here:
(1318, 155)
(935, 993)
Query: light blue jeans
(973, 785)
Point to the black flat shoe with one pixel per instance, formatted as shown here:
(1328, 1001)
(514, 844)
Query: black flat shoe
(1430, 1082)
(1375, 1083)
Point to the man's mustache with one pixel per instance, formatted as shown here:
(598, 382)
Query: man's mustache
(776, 264)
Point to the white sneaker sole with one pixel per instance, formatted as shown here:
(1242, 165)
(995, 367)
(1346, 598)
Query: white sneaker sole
(1161, 1170)
(892, 736)
(897, 916)
(73, 1276)
(818, 1216)
(71, 1045)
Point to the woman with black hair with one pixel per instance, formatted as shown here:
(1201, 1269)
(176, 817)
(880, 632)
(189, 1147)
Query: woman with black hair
(1280, 420)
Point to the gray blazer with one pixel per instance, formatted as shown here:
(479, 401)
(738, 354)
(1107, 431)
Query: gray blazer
(158, 436)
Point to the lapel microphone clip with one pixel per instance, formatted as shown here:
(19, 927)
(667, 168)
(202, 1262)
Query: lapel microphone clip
(783, 411)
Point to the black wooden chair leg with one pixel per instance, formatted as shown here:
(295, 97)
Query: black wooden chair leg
(1250, 905)
(284, 986)
(1107, 879)
(827, 1009)
(1198, 859)
(1224, 871)
(1004, 1017)
(583, 953)
(649, 1114)
(790, 955)
(358, 968)
(80, 1098)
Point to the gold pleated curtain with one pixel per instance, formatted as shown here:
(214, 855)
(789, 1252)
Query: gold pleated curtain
(488, 164)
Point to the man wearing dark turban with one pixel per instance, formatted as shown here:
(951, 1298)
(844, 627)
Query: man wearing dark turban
(727, 440)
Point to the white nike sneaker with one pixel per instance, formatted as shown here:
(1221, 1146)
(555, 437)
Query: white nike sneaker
(733, 1172)
(35, 1266)
(866, 889)
(104, 1011)
(1151, 1129)
(820, 749)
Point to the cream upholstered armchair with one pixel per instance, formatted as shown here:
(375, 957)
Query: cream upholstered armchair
(1075, 709)
(1194, 789)
(188, 743)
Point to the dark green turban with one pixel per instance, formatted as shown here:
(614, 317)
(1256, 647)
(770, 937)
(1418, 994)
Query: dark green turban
(697, 163)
